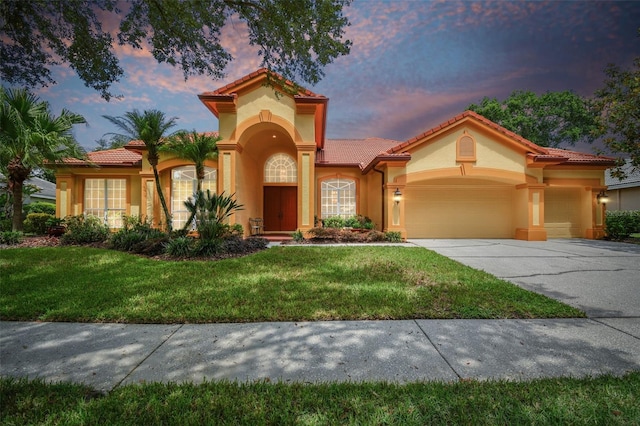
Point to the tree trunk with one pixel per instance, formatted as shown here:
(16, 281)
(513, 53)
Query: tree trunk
(163, 202)
(17, 174)
(16, 223)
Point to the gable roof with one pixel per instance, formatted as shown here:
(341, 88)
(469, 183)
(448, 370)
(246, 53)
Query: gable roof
(536, 153)
(223, 100)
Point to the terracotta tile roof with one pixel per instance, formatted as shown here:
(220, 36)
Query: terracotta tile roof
(353, 152)
(575, 157)
(110, 157)
(477, 117)
(229, 88)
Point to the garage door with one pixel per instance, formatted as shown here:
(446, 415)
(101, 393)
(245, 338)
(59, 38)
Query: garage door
(562, 212)
(459, 212)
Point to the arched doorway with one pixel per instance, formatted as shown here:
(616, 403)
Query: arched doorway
(280, 200)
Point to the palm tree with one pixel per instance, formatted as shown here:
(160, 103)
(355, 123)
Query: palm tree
(29, 137)
(150, 127)
(197, 148)
(194, 147)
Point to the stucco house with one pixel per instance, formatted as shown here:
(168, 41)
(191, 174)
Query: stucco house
(465, 178)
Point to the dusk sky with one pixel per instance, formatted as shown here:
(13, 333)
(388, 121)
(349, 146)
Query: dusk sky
(413, 65)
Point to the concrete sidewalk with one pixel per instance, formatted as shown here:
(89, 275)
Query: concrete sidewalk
(108, 355)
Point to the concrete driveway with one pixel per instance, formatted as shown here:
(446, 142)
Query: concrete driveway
(600, 277)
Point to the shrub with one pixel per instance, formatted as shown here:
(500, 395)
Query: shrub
(298, 236)
(324, 233)
(393, 237)
(376, 236)
(621, 224)
(5, 225)
(11, 238)
(151, 246)
(180, 246)
(352, 222)
(134, 237)
(84, 230)
(334, 222)
(40, 207)
(37, 223)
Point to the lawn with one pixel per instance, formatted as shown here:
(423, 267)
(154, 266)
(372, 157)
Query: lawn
(279, 284)
(604, 400)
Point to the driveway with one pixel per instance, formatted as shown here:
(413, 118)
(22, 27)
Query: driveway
(600, 277)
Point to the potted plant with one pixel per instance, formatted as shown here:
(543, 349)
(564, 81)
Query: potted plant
(55, 227)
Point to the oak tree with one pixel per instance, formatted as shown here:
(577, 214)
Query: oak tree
(553, 119)
(295, 38)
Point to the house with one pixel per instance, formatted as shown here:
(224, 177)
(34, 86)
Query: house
(45, 191)
(466, 178)
(624, 194)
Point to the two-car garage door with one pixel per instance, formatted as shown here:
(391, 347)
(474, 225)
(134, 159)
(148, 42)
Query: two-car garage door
(452, 211)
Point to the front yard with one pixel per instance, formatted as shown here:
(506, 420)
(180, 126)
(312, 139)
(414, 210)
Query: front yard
(279, 284)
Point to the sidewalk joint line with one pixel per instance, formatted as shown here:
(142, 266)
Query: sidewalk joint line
(438, 350)
(146, 357)
(599, 321)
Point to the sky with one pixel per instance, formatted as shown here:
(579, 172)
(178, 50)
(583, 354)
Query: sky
(413, 65)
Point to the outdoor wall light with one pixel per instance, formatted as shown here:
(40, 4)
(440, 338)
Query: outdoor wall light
(397, 196)
(602, 197)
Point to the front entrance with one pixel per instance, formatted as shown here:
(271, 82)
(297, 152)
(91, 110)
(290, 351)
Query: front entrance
(280, 208)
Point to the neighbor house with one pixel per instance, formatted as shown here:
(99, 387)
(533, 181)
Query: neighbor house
(624, 194)
(465, 178)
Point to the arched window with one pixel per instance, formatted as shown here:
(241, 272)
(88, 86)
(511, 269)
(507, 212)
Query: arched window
(280, 168)
(184, 183)
(338, 198)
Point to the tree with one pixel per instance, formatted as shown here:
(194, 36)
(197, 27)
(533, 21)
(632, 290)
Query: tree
(30, 136)
(116, 141)
(150, 127)
(619, 104)
(552, 119)
(296, 38)
(197, 148)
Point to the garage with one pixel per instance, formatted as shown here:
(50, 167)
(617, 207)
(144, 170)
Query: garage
(459, 211)
(562, 212)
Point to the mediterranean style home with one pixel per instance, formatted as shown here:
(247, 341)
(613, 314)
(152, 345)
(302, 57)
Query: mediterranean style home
(466, 178)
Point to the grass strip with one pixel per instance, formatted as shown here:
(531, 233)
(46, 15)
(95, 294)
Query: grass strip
(279, 284)
(603, 400)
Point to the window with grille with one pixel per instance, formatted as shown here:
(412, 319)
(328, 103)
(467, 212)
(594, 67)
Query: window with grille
(184, 183)
(106, 199)
(280, 168)
(338, 198)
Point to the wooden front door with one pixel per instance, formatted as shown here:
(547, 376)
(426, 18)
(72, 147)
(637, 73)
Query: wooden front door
(280, 208)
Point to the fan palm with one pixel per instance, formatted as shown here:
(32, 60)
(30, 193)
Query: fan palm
(150, 127)
(31, 136)
(195, 147)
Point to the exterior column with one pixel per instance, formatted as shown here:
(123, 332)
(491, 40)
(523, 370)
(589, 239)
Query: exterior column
(64, 195)
(532, 223)
(306, 186)
(596, 215)
(227, 172)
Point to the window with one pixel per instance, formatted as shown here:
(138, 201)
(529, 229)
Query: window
(184, 183)
(338, 198)
(280, 168)
(106, 199)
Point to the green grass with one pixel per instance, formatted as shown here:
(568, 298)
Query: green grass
(280, 284)
(604, 400)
